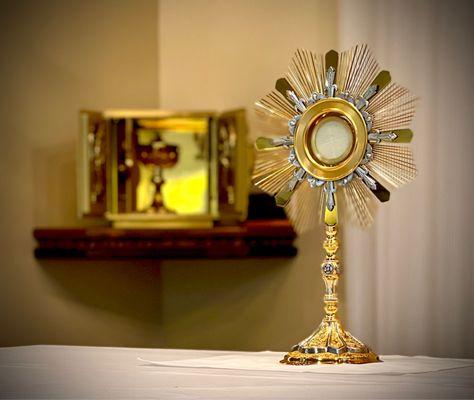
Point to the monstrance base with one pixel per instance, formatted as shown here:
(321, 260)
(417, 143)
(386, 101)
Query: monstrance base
(298, 358)
(330, 344)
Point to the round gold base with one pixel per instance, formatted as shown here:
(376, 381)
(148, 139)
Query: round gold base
(298, 358)
(330, 344)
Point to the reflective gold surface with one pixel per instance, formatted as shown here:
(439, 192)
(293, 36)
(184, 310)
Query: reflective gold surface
(330, 343)
(163, 168)
(332, 107)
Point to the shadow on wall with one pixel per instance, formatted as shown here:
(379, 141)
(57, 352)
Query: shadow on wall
(226, 304)
(184, 303)
(129, 289)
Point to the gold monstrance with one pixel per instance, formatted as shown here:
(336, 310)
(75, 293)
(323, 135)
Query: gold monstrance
(342, 128)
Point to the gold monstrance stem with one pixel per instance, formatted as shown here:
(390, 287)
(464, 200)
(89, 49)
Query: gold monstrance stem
(330, 343)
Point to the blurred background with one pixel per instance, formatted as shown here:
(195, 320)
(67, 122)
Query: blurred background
(408, 281)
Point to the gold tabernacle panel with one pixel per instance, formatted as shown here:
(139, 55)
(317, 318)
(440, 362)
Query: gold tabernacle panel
(152, 168)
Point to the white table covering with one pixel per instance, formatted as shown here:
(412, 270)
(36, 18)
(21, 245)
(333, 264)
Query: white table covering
(269, 361)
(54, 372)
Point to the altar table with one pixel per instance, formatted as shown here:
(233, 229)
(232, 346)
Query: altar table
(59, 372)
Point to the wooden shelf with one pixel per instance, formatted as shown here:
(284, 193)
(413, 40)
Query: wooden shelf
(256, 238)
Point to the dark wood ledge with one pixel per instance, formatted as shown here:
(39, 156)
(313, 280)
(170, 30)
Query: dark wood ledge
(257, 238)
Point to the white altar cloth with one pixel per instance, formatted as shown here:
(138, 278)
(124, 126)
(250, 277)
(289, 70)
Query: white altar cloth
(269, 361)
(59, 372)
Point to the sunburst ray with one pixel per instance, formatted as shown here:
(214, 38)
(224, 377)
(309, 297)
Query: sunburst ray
(275, 104)
(357, 69)
(267, 124)
(305, 208)
(387, 110)
(272, 170)
(393, 163)
(358, 203)
(392, 108)
(306, 73)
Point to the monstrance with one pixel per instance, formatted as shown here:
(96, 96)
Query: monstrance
(159, 155)
(342, 146)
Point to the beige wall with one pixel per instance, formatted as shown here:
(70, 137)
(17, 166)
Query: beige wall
(59, 56)
(224, 54)
(56, 57)
(412, 274)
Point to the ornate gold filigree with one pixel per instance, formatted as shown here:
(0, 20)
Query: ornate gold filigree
(330, 343)
(348, 134)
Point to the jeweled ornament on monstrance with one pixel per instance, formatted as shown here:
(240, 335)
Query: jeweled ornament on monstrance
(342, 134)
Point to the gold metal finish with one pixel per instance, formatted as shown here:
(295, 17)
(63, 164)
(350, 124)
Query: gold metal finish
(316, 162)
(380, 82)
(331, 59)
(283, 197)
(263, 143)
(123, 154)
(330, 216)
(358, 205)
(314, 114)
(272, 170)
(403, 135)
(330, 343)
(393, 163)
(162, 221)
(392, 108)
(282, 86)
(389, 111)
(357, 68)
(306, 73)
